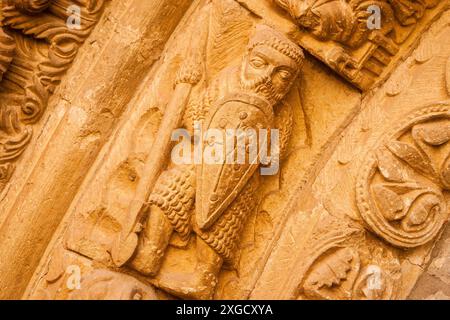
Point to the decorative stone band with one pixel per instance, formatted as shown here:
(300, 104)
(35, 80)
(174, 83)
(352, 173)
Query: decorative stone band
(400, 188)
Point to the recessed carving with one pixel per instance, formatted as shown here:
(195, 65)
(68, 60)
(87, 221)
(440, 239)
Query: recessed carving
(401, 190)
(37, 48)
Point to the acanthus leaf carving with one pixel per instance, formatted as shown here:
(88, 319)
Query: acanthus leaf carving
(402, 185)
(389, 166)
(350, 266)
(411, 155)
(331, 271)
(33, 60)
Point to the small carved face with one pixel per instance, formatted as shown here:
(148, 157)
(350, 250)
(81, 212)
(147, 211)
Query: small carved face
(268, 71)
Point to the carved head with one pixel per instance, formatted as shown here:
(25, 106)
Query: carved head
(325, 19)
(271, 64)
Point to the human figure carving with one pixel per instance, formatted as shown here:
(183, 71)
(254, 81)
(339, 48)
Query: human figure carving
(243, 95)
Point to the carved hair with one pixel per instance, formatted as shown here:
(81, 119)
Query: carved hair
(31, 6)
(267, 36)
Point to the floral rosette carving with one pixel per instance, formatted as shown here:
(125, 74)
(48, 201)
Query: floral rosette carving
(402, 190)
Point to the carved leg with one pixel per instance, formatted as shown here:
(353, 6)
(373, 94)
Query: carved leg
(209, 264)
(153, 242)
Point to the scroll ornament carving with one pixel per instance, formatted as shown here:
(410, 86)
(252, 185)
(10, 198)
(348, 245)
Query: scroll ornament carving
(402, 189)
(37, 48)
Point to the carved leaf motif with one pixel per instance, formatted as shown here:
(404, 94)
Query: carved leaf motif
(416, 159)
(332, 270)
(389, 166)
(40, 27)
(425, 51)
(399, 81)
(421, 209)
(53, 27)
(37, 67)
(389, 202)
(434, 134)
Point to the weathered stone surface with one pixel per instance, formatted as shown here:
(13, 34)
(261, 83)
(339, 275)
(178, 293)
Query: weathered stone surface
(348, 123)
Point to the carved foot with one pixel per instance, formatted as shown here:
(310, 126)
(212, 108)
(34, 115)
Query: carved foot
(147, 261)
(188, 285)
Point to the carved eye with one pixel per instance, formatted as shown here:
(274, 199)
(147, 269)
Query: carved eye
(258, 62)
(284, 74)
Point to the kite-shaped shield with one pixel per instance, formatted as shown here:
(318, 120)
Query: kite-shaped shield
(236, 118)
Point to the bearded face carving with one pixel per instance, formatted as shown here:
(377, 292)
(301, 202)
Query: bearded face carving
(268, 72)
(270, 66)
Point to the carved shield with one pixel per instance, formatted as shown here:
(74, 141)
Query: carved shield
(219, 183)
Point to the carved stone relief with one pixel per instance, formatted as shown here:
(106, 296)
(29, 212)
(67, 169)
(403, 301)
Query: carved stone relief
(38, 46)
(384, 182)
(407, 208)
(354, 209)
(337, 32)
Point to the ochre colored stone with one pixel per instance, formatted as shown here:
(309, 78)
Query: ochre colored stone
(315, 164)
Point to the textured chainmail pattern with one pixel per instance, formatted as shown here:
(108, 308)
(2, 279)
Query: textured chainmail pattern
(174, 195)
(224, 234)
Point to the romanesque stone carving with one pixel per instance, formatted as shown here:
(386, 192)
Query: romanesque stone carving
(38, 46)
(361, 196)
(361, 54)
(339, 275)
(401, 188)
(215, 200)
(109, 285)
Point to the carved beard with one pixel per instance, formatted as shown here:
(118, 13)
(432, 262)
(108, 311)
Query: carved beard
(261, 86)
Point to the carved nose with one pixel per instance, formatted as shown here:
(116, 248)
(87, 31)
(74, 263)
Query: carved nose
(270, 72)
